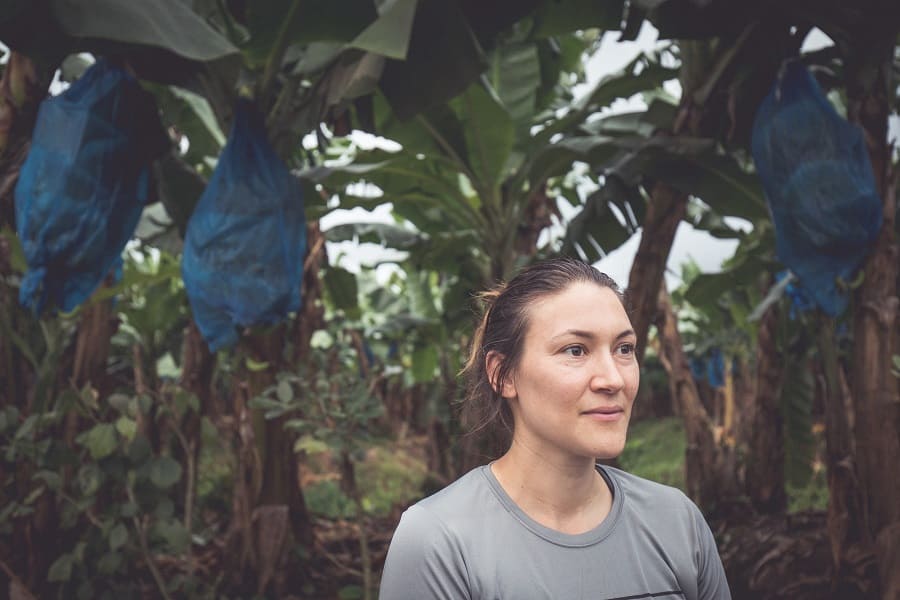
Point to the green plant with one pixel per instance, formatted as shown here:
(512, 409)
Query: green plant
(117, 498)
(331, 407)
(655, 451)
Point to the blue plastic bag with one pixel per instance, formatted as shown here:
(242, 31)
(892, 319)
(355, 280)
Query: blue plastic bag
(84, 184)
(818, 181)
(710, 367)
(246, 240)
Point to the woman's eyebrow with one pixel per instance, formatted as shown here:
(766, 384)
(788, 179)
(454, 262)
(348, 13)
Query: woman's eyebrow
(579, 333)
(587, 335)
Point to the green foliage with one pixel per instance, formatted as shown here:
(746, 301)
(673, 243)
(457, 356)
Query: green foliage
(330, 404)
(388, 477)
(326, 499)
(166, 24)
(811, 495)
(655, 451)
(116, 497)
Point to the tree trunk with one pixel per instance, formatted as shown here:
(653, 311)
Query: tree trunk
(267, 487)
(22, 88)
(764, 476)
(876, 398)
(665, 211)
(198, 364)
(709, 466)
(844, 495)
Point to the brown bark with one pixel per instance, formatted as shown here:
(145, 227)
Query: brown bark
(22, 87)
(268, 482)
(198, 364)
(764, 475)
(709, 467)
(844, 494)
(665, 211)
(876, 397)
(538, 209)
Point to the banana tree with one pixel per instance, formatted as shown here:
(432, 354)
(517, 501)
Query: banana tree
(472, 178)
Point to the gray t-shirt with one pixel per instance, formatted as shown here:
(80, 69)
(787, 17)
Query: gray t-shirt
(471, 541)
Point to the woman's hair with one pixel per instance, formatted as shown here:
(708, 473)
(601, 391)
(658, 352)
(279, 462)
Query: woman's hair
(502, 329)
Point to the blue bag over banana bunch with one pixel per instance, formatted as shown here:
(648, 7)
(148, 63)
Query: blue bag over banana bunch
(84, 185)
(246, 240)
(819, 184)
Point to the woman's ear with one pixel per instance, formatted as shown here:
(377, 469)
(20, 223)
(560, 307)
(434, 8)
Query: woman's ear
(493, 362)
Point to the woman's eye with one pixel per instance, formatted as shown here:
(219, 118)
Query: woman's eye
(574, 351)
(626, 349)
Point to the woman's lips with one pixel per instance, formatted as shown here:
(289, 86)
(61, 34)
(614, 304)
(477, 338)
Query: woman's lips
(606, 413)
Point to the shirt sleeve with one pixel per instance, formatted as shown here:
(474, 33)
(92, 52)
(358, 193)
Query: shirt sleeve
(424, 562)
(711, 581)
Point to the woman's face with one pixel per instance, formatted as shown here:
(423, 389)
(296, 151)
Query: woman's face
(572, 391)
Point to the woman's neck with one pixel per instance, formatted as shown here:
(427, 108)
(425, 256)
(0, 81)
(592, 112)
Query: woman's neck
(565, 494)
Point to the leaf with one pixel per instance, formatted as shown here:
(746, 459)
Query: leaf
(342, 289)
(73, 67)
(310, 445)
(312, 57)
(128, 509)
(488, 133)
(708, 288)
(718, 181)
(284, 391)
(255, 366)
(563, 16)
(701, 19)
(167, 24)
(101, 440)
(164, 472)
(34, 495)
(424, 364)
(693, 166)
(796, 409)
(174, 533)
(389, 34)
(515, 76)
(118, 535)
(109, 563)
(61, 569)
(51, 479)
(16, 255)
(126, 427)
(122, 403)
(659, 115)
(203, 111)
(335, 176)
(392, 236)
(90, 477)
(421, 297)
(595, 230)
(556, 159)
(350, 592)
(314, 20)
(623, 84)
(443, 59)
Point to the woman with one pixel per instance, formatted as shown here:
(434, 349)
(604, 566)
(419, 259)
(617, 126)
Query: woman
(553, 363)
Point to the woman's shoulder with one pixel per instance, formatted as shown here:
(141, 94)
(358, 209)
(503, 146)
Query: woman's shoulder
(451, 515)
(459, 498)
(647, 494)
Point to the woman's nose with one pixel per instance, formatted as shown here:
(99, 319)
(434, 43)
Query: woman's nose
(606, 378)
